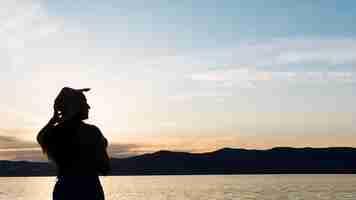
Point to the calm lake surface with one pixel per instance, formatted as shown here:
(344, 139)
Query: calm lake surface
(237, 187)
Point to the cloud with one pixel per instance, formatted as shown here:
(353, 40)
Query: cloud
(190, 143)
(12, 148)
(119, 150)
(22, 154)
(249, 77)
(241, 76)
(9, 142)
(331, 51)
(285, 51)
(23, 23)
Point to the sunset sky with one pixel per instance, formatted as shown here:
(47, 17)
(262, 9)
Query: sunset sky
(182, 75)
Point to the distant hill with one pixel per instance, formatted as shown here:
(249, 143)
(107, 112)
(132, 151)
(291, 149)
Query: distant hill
(224, 161)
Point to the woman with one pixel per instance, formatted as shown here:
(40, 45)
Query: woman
(78, 149)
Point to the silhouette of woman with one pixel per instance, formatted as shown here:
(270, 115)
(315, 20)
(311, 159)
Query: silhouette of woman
(77, 149)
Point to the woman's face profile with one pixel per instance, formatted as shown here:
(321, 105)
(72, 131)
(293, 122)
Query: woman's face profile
(84, 108)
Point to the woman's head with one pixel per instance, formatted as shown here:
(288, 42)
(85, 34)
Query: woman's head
(71, 103)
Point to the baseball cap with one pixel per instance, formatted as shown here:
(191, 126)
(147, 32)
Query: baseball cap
(69, 100)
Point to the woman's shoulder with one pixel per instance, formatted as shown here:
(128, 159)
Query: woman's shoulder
(91, 129)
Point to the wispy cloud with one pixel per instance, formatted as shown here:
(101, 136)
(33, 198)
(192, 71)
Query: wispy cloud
(247, 62)
(249, 77)
(332, 51)
(285, 51)
(9, 142)
(242, 77)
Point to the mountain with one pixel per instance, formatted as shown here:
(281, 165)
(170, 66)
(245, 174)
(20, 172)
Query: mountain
(224, 161)
(241, 161)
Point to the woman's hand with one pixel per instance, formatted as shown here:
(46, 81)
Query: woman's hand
(57, 117)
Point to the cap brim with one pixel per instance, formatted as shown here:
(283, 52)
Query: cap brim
(83, 90)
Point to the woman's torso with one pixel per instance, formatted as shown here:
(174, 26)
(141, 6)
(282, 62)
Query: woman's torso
(73, 149)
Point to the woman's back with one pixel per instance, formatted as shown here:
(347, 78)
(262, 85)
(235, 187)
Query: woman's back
(77, 149)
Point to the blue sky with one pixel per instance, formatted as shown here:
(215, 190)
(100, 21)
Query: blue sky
(164, 74)
(214, 24)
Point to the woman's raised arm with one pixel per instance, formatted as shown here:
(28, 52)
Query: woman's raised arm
(47, 130)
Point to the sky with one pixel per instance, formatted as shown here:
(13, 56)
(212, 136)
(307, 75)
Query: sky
(185, 76)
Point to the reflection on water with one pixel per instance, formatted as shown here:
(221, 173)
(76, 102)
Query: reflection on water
(239, 187)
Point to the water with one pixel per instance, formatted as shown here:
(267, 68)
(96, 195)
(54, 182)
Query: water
(236, 187)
